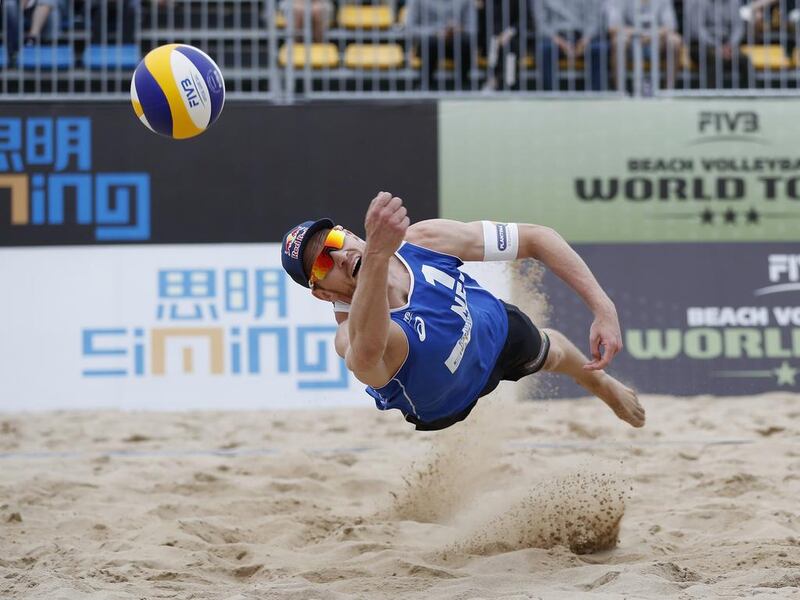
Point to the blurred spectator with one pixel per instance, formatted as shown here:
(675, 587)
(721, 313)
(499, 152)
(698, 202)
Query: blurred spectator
(717, 30)
(321, 17)
(570, 29)
(114, 21)
(499, 31)
(640, 18)
(759, 14)
(44, 17)
(442, 29)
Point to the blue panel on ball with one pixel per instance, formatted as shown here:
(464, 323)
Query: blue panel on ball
(154, 102)
(210, 74)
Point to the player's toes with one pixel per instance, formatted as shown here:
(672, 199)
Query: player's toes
(637, 416)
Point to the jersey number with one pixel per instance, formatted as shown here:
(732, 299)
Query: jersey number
(433, 276)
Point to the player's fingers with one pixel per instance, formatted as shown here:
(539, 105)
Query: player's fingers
(393, 204)
(604, 360)
(594, 346)
(399, 214)
(380, 200)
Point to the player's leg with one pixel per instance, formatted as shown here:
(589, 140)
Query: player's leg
(563, 357)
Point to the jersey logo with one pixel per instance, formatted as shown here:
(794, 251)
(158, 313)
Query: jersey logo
(419, 325)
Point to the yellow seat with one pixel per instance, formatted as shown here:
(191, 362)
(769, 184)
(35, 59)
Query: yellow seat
(564, 64)
(280, 20)
(401, 16)
(767, 57)
(365, 17)
(528, 63)
(320, 56)
(448, 64)
(373, 56)
(686, 60)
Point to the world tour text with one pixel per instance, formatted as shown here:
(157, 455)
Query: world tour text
(641, 189)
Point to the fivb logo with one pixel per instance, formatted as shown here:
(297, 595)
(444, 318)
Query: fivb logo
(44, 161)
(784, 274)
(721, 123)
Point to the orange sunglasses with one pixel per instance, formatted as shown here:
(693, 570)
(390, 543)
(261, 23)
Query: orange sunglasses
(324, 261)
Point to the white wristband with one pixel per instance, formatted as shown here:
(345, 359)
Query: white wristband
(500, 241)
(341, 307)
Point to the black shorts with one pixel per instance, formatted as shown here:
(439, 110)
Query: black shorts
(524, 353)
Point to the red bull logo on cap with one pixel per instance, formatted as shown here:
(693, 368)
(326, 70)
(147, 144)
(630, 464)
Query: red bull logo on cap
(293, 241)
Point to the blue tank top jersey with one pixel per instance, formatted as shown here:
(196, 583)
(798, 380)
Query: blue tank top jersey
(455, 331)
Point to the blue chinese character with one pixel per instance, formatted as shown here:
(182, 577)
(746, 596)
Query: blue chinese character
(11, 141)
(236, 288)
(186, 287)
(270, 288)
(39, 141)
(73, 139)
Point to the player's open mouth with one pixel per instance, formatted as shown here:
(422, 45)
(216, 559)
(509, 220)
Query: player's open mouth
(357, 266)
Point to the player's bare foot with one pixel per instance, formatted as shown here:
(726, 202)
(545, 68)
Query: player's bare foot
(621, 399)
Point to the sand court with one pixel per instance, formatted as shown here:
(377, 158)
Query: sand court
(553, 499)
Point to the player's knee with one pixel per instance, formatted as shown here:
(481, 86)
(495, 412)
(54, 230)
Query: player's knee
(555, 354)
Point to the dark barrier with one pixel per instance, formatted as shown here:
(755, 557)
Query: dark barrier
(78, 174)
(696, 318)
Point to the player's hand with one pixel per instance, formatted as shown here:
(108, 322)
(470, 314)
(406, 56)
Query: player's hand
(605, 340)
(386, 224)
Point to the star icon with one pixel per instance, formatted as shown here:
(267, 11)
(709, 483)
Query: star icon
(752, 216)
(785, 374)
(730, 216)
(707, 216)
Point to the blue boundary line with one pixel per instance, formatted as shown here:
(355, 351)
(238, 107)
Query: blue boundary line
(235, 453)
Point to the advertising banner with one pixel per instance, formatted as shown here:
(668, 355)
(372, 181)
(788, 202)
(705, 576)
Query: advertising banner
(616, 171)
(164, 327)
(169, 328)
(696, 318)
(93, 174)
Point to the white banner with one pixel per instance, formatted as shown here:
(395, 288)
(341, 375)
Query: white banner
(168, 328)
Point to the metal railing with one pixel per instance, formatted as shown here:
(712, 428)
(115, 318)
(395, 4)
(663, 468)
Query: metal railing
(288, 50)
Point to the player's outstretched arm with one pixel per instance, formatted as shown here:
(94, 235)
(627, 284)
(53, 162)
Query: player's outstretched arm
(545, 244)
(484, 240)
(372, 340)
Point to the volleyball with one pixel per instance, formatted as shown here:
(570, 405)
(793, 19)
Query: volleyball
(177, 91)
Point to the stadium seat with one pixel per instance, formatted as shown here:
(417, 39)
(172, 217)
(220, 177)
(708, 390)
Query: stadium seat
(280, 20)
(3, 57)
(46, 57)
(447, 64)
(321, 56)
(365, 17)
(767, 57)
(686, 59)
(373, 56)
(401, 16)
(98, 56)
(529, 63)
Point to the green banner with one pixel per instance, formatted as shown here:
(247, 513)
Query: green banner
(626, 171)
